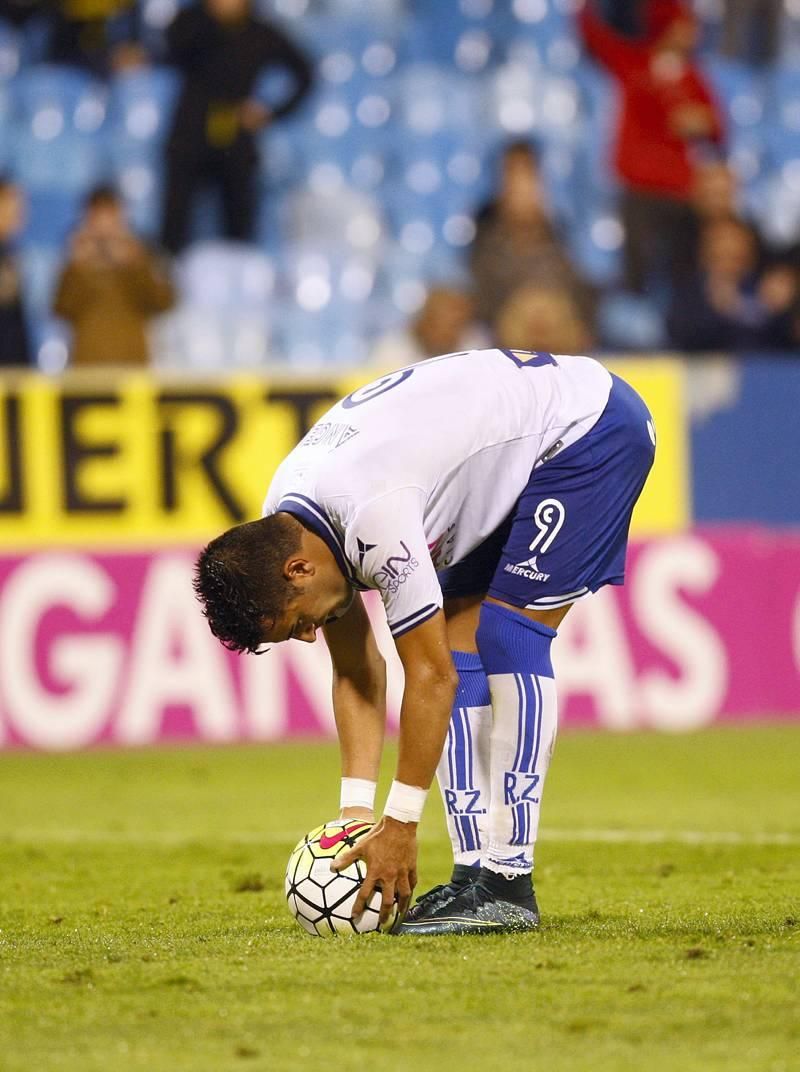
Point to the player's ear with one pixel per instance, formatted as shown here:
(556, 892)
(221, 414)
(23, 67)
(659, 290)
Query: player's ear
(298, 569)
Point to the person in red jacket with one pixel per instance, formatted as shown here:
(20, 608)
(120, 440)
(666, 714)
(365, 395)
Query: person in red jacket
(668, 119)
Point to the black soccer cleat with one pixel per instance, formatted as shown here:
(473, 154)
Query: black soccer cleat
(480, 908)
(441, 895)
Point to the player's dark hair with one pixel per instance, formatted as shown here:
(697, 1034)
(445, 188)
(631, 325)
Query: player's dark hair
(239, 579)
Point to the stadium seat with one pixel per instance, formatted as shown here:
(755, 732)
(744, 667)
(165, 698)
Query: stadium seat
(59, 115)
(224, 318)
(140, 105)
(430, 99)
(40, 267)
(739, 89)
(596, 244)
(628, 321)
(9, 51)
(339, 218)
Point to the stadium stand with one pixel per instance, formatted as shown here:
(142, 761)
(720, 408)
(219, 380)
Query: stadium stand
(370, 189)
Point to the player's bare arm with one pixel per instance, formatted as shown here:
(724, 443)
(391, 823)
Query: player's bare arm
(390, 850)
(359, 697)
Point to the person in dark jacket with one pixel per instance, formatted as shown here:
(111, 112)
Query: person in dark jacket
(14, 344)
(732, 303)
(222, 49)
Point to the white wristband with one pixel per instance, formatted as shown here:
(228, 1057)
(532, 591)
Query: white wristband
(405, 802)
(357, 793)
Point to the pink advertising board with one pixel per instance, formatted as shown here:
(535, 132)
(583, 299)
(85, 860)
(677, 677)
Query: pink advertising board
(111, 649)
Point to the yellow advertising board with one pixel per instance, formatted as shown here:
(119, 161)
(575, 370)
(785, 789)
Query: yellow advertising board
(665, 504)
(137, 460)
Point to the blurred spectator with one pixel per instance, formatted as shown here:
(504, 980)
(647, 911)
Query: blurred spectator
(750, 30)
(14, 346)
(716, 190)
(545, 318)
(222, 48)
(716, 195)
(444, 325)
(731, 304)
(516, 241)
(18, 12)
(668, 114)
(110, 287)
(98, 35)
(627, 16)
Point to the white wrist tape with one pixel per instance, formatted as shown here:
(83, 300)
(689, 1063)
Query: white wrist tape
(405, 802)
(357, 793)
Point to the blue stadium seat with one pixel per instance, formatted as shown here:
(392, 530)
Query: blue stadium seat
(141, 103)
(338, 217)
(596, 244)
(40, 268)
(430, 99)
(781, 129)
(281, 155)
(630, 322)
(50, 340)
(60, 114)
(789, 38)
(225, 316)
(739, 90)
(51, 216)
(523, 100)
(9, 51)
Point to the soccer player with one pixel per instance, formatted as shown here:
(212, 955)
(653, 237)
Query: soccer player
(481, 494)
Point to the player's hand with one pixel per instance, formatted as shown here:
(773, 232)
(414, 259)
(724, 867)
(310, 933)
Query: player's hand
(692, 120)
(254, 116)
(390, 853)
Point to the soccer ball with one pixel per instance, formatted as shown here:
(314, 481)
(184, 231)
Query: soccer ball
(322, 900)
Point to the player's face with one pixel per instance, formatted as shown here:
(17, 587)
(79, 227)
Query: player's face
(314, 607)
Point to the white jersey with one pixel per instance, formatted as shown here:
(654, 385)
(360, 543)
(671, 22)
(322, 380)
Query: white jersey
(406, 476)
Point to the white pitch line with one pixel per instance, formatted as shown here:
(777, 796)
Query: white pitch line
(250, 837)
(683, 837)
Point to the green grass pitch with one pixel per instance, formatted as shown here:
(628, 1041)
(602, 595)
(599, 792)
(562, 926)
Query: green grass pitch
(143, 924)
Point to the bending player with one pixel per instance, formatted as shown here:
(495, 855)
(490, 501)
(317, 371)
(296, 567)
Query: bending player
(481, 494)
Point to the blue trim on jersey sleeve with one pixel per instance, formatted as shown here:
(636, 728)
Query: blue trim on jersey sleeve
(314, 518)
(405, 625)
(537, 358)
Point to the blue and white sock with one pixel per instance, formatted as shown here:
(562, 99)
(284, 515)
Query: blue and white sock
(463, 771)
(515, 651)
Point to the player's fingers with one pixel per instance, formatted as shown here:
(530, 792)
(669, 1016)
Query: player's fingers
(387, 903)
(344, 859)
(365, 891)
(403, 892)
(412, 879)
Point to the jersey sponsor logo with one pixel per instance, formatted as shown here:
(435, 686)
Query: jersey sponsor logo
(549, 518)
(441, 549)
(330, 434)
(529, 569)
(396, 570)
(363, 548)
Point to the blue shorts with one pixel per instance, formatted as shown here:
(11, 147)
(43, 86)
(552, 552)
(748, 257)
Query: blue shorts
(568, 532)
